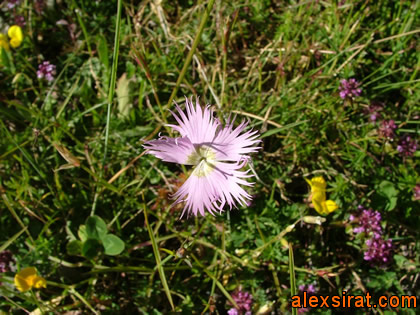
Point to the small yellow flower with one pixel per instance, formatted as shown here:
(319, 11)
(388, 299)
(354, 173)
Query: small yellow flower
(16, 35)
(324, 207)
(317, 184)
(319, 197)
(28, 278)
(3, 42)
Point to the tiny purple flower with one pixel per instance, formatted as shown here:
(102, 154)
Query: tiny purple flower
(217, 153)
(20, 20)
(12, 3)
(417, 192)
(46, 70)
(349, 89)
(374, 111)
(378, 251)
(6, 259)
(39, 6)
(387, 129)
(369, 222)
(233, 311)
(407, 146)
(310, 290)
(243, 300)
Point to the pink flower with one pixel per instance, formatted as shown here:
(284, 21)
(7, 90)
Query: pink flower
(46, 70)
(387, 129)
(349, 89)
(217, 155)
(417, 192)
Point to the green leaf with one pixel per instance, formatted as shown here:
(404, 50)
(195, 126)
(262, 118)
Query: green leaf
(113, 245)
(123, 95)
(103, 51)
(74, 247)
(91, 248)
(82, 233)
(5, 60)
(96, 228)
(388, 190)
(130, 68)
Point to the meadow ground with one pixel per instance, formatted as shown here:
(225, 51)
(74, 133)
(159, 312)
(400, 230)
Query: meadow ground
(87, 222)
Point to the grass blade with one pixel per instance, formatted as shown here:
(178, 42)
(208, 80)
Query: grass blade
(158, 259)
(191, 52)
(292, 276)
(12, 239)
(113, 78)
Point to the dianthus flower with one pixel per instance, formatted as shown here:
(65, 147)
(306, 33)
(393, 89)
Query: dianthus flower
(46, 70)
(28, 278)
(319, 196)
(368, 221)
(244, 301)
(217, 154)
(407, 146)
(16, 35)
(349, 89)
(387, 129)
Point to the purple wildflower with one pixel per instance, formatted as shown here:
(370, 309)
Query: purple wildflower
(407, 146)
(374, 111)
(20, 20)
(12, 3)
(369, 221)
(387, 129)
(39, 6)
(378, 250)
(46, 70)
(349, 89)
(310, 290)
(233, 311)
(217, 154)
(6, 259)
(417, 192)
(243, 300)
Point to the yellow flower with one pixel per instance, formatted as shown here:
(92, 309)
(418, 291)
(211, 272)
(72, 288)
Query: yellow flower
(324, 207)
(28, 278)
(3, 42)
(317, 183)
(319, 196)
(16, 35)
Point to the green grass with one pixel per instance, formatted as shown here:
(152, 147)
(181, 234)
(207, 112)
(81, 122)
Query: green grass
(277, 64)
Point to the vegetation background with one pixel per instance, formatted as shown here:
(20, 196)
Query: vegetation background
(72, 148)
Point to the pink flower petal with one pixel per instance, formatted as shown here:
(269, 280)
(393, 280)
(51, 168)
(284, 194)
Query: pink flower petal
(175, 150)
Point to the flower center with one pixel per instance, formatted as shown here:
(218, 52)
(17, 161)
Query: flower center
(204, 159)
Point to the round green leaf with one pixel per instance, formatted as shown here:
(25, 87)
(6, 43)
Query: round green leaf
(91, 248)
(96, 227)
(74, 247)
(82, 233)
(113, 245)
